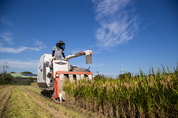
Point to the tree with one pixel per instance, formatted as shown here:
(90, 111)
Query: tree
(30, 79)
(26, 72)
(5, 79)
(8, 78)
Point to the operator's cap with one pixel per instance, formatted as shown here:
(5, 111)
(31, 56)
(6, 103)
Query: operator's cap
(61, 42)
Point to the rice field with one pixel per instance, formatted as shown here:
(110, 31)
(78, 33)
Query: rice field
(142, 96)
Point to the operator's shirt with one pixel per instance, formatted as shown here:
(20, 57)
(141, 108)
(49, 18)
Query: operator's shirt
(58, 52)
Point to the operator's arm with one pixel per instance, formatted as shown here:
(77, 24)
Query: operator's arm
(63, 53)
(54, 48)
(53, 53)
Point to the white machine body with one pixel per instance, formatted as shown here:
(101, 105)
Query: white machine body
(42, 79)
(48, 67)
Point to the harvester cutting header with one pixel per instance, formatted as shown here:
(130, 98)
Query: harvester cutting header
(53, 70)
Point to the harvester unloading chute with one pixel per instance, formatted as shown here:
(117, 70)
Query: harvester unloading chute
(88, 54)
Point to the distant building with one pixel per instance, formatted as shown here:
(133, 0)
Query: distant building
(22, 76)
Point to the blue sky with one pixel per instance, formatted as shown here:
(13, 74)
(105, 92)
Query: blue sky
(139, 34)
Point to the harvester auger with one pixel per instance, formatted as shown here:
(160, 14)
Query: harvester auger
(53, 73)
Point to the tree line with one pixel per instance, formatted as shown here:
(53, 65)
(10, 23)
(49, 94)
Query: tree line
(8, 79)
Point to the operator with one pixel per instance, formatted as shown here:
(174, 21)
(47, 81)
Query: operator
(58, 50)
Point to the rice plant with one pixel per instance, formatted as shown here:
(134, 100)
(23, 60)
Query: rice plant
(155, 95)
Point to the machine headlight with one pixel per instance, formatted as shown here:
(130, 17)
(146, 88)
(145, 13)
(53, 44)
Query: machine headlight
(57, 75)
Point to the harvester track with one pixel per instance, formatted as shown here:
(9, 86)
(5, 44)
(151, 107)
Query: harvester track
(3, 88)
(45, 95)
(4, 93)
(4, 100)
(56, 110)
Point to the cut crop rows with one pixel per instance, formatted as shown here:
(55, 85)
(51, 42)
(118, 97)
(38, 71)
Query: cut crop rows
(26, 101)
(74, 109)
(4, 100)
(47, 101)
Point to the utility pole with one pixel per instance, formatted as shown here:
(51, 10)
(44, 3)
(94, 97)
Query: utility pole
(4, 69)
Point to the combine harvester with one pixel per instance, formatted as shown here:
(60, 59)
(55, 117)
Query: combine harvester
(53, 73)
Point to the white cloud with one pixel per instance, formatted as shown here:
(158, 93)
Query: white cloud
(6, 21)
(39, 43)
(8, 37)
(117, 25)
(21, 64)
(16, 50)
(148, 24)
